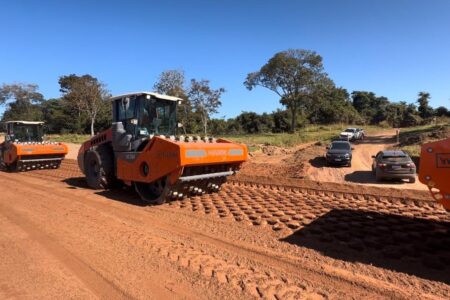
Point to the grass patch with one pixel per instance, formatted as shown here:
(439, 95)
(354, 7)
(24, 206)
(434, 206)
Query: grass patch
(308, 134)
(412, 150)
(411, 139)
(70, 138)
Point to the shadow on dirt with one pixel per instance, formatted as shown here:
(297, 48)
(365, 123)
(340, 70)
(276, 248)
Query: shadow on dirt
(318, 162)
(369, 177)
(377, 140)
(123, 194)
(413, 246)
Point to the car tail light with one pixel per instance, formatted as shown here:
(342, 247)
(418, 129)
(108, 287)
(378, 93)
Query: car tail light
(382, 165)
(410, 165)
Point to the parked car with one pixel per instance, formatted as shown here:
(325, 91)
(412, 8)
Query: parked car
(348, 134)
(393, 164)
(339, 153)
(360, 133)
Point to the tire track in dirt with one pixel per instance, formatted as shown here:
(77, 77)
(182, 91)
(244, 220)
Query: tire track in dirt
(238, 276)
(286, 209)
(251, 285)
(99, 285)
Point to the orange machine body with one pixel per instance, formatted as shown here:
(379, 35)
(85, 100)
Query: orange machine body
(28, 151)
(164, 157)
(435, 170)
(142, 149)
(167, 157)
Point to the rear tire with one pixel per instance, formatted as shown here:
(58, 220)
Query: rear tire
(12, 167)
(378, 177)
(99, 168)
(153, 193)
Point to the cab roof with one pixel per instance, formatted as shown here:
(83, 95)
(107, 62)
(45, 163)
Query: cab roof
(152, 94)
(26, 122)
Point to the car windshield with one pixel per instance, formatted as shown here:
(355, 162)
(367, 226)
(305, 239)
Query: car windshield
(349, 130)
(26, 133)
(340, 146)
(159, 117)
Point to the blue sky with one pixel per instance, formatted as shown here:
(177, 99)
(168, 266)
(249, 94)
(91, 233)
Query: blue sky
(393, 48)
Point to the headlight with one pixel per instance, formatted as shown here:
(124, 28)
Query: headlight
(346, 155)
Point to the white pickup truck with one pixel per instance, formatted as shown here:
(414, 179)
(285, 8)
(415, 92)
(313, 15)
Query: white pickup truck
(349, 134)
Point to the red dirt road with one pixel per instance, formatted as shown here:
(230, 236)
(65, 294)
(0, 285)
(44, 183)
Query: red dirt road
(59, 239)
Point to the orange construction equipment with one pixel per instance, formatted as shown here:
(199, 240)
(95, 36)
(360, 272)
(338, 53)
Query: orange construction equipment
(435, 170)
(24, 148)
(142, 150)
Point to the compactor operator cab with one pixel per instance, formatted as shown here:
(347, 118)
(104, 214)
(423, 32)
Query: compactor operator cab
(138, 117)
(24, 132)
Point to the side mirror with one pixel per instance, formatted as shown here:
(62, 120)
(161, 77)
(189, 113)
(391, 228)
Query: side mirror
(353, 148)
(373, 156)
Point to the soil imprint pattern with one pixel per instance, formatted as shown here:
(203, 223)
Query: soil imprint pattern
(411, 233)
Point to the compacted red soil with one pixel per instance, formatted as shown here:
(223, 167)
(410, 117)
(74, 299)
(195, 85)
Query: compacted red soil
(253, 239)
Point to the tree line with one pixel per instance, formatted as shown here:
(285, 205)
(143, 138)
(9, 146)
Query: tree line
(296, 76)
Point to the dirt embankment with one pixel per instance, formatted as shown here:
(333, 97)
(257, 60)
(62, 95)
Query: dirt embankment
(59, 238)
(306, 166)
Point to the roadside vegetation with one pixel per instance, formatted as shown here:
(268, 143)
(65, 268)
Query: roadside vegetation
(314, 133)
(411, 139)
(324, 134)
(69, 138)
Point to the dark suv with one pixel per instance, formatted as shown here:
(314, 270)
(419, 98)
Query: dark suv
(339, 153)
(393, 164)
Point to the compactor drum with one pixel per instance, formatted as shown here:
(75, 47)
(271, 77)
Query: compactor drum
(25, 149)
(142, 149)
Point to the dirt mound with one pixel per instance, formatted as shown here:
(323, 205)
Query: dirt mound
(274, 150)
(442, 132)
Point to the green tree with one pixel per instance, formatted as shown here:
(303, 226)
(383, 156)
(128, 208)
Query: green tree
(21, 101)
(281, 122)
(293, 75)
(332, 105)
(442, 111)
(425, 111)
(86, 95)
(411, 116)
(251, 122)
(205, 100)
(57, 117)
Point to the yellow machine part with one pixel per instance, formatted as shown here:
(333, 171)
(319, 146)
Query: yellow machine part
(435, 170)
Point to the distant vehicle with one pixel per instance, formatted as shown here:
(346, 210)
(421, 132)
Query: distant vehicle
(339, 153)
(393, 164)
(25, 148)
(360, 133)
(348, 134)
